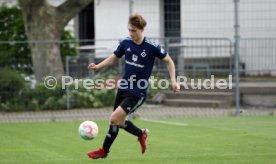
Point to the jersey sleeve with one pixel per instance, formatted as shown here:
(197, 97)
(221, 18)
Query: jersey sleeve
(119, 51)
(160, 52)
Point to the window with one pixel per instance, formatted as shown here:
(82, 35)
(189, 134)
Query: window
(172, 18)
(86, 24)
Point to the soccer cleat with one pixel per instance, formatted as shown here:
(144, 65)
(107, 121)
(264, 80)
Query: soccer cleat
(95, 154)
(143, 140)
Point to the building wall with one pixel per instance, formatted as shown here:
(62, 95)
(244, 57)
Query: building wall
(215, 18)
(111, 18)
(152, 11)
(113, 24)
(212, 18)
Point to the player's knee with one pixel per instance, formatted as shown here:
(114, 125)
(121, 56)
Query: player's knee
(117, 117)
(114, 120)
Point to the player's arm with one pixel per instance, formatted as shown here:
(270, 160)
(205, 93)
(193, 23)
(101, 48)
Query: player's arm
(171, 67)
(106, 62)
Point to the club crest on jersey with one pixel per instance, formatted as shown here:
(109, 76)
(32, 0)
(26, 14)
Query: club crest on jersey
(143, 54)
(134, 57)
(129, 50)
(162, 51)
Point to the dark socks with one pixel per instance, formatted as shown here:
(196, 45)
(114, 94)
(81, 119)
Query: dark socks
(114, 130)
(131, 128)
(110, 137)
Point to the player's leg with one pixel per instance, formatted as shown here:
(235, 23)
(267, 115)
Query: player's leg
(142, 134)
(131, 128)
(130, 104)
(113, 130)
(116, 120)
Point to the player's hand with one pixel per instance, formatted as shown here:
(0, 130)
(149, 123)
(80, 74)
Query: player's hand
(92, 66)
(175, 86)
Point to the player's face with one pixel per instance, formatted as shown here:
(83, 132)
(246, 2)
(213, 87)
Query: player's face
(135, 33)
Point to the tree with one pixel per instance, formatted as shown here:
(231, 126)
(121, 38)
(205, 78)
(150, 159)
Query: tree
(44, 22)
(15, 53)
(16, 56)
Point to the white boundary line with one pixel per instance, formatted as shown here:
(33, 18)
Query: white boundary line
(166, 122)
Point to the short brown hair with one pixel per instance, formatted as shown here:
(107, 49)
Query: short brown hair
(137, 21)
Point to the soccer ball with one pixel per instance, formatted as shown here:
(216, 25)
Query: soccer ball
(88, 130)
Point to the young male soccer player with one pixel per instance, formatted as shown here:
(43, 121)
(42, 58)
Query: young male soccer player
(140, 54)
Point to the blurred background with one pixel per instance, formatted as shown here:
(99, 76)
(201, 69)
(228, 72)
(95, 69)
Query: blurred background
(61, 37)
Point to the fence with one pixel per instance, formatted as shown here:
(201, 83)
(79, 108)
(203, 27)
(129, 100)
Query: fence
(194, 58)
(258, 56)
(198, 34)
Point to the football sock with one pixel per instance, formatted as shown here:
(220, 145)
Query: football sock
(131, 128)
(110, 137)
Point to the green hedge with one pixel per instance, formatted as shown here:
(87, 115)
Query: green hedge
(11, 83)
(41, 98)
(15, 95)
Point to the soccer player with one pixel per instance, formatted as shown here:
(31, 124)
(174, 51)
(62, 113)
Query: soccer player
(140, 54)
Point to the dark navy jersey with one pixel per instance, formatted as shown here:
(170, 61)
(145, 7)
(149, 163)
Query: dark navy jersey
(139, 60)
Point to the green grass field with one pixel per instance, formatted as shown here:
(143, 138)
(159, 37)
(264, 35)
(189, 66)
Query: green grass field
(204, 140)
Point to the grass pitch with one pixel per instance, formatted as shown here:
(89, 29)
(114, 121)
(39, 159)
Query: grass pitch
(189, 140)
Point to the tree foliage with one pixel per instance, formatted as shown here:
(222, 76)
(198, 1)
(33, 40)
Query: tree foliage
(14, 55)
